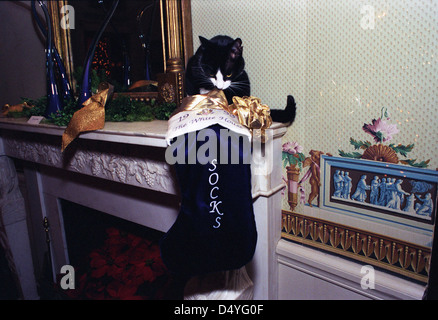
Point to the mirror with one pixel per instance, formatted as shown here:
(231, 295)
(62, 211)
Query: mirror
(154, 33)
(131, 47)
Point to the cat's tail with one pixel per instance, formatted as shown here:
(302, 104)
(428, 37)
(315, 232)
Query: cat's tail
(286, 115)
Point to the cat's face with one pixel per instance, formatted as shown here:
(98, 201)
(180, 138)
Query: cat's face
(221, 60)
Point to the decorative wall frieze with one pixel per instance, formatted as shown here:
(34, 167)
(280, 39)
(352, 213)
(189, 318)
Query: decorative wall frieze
(403, 196)
(129, 164)
(398, 256)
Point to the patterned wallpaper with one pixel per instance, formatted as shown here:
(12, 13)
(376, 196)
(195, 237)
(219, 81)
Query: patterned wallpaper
(343, 61)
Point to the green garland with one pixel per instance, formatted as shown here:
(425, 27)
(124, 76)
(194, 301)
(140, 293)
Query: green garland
(118, 109)
(124, 109)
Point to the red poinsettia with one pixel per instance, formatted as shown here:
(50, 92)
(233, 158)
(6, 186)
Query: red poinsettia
(123, 291)
(121, 268)
(106, 263)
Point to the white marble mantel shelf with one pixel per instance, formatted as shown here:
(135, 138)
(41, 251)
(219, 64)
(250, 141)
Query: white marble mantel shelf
(125, 132)
(129, 154)
(150, 133)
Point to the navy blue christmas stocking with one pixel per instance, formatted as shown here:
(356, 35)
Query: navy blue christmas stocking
(215, 229)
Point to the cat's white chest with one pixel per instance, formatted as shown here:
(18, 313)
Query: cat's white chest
(219, 81)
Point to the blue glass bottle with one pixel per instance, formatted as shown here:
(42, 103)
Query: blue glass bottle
(54, 103)
(60, 67)
(86, 80)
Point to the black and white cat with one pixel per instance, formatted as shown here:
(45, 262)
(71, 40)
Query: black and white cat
(218, 63)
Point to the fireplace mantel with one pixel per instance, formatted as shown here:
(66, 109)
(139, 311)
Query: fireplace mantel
(121, 170)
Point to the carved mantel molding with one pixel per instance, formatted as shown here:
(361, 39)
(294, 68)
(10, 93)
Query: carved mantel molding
(129, 164)
(118, 163)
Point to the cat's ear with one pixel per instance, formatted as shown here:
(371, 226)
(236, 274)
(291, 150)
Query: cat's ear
(236, 49)
(238, 42)
(204, 41)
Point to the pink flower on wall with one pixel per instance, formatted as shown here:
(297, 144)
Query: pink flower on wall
(380, 130)
(292, 154)
(292, 147)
